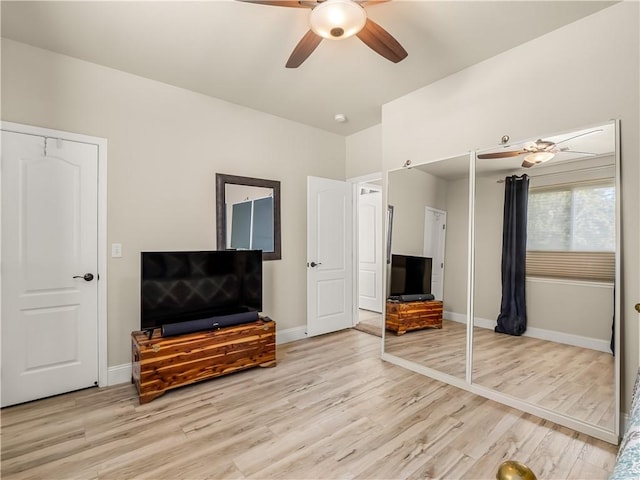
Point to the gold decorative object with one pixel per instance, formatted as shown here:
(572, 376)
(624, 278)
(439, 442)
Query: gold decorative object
(512, 470)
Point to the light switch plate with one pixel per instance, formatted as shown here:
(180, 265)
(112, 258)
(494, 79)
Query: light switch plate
(116, 250)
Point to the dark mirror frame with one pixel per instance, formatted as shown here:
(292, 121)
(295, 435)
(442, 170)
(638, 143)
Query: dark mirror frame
(221, 213)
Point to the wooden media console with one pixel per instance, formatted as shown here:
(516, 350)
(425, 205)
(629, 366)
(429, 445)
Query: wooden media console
(162, 363)
(402, 317)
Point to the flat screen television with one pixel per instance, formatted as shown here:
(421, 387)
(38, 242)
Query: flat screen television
(410, 275)
(185, 286)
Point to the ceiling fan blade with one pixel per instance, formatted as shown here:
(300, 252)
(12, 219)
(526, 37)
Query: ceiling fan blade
(278, 3)
(589, 154)
(381, 42)
(304, 48)
(512, 153)
(370, 3)
(580, 135)
(527, 164)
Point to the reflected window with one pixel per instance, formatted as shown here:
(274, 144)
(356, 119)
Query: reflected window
(571, 231)
(579, 217)
(252, 224)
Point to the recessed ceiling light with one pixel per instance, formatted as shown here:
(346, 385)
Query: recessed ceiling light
(340, 117)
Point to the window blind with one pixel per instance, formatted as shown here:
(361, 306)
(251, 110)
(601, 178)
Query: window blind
(594, 266)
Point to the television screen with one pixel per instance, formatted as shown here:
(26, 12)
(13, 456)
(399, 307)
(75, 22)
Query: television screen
(410, 275)
(183, 286)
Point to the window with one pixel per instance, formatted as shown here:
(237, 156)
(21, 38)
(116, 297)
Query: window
(571, 231)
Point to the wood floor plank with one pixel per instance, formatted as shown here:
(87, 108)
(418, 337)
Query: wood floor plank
(440, 463)
(407, 452)
(582, 470)
(549, 374)
(330, 409)
(317, 457)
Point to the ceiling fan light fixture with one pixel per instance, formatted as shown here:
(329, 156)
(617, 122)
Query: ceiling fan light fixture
(539, 157)
(337, 19)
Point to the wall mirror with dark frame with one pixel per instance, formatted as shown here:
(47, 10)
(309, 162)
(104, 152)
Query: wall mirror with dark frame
(564, 296)
(248, 215)
(430, 227)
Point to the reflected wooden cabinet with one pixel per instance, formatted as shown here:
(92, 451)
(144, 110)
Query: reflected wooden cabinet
(402, 317)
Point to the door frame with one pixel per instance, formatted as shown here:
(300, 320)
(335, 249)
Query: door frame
(355, 182)
(101, 143)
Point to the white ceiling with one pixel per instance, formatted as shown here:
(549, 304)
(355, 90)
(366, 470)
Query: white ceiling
(236, 51)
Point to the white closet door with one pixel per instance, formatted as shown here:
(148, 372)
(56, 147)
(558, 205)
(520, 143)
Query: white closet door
(370, 248)
(329, 256)
(49, 236)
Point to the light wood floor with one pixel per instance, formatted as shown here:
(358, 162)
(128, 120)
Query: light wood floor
(572, 380)
(330, 409)
(369, 322)
(443, 349)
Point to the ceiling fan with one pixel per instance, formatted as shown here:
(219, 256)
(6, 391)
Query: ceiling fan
(539, 151)
(336, 20)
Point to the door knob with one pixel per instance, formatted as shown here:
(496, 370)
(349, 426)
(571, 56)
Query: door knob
(87, 276)
(638, 307)
(314, 264)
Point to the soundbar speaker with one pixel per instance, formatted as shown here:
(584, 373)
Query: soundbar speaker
(416, 297)
(211, 323)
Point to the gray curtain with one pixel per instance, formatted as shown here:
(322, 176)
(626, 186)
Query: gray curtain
(513, 309)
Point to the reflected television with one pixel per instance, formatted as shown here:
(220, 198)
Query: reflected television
(410, 275)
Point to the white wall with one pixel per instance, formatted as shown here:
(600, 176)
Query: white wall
(165, 145)
(579, 75)
(576, 308)
(364, 152)
(456, 259)
(410, 191)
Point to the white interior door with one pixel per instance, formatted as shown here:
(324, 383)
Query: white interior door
(49, 236)
(329, 256)
(369, 247)
(434, 244)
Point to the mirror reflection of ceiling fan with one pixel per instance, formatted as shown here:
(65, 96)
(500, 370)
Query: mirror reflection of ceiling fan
(336, 20)
(539, 151)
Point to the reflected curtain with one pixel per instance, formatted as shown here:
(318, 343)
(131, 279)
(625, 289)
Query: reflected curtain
(613, 325)
(513, 309)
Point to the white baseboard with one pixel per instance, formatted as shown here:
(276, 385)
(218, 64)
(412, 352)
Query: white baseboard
(291, 335)
(119, 374)
(455, 317)
(540, 333)
(122, 373)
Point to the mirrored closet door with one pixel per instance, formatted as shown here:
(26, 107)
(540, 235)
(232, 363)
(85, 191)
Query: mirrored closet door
(430, 230)
(546, 223)
(531, 250)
